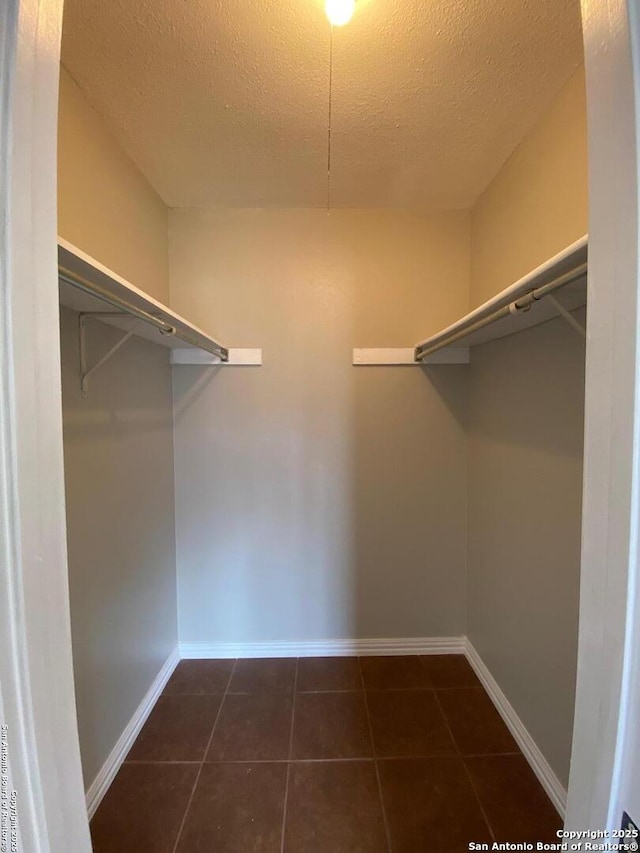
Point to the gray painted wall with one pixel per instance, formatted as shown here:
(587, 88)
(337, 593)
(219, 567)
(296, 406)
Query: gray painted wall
(525, 498)
(526, 435)
(316, 500)
(118, 449)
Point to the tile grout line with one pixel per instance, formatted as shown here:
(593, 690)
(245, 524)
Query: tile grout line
(385, 822)
(413, 689)
(291, 761)
(475, 791)
(466, 769)
(204, 756)
(329, 760)
(335, 690)
(286, 784)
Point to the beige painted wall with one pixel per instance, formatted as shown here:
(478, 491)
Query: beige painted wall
(118, 443)
(537, 204)
(525, 438)
(118, 453)
(316, 500)
(105, 205)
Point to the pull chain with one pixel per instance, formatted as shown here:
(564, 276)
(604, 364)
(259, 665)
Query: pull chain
(329, 121)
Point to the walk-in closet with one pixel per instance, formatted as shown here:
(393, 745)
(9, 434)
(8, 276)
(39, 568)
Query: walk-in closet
(323, 306)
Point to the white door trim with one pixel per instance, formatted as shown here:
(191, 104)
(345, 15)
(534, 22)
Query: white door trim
(35, 636)
(611, 474)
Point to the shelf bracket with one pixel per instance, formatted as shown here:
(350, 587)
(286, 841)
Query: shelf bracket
(86, 372)
(571, 320)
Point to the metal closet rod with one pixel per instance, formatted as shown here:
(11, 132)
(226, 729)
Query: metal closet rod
(163, 327)
(524, 303)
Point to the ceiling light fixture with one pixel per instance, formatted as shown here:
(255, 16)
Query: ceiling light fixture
(339, 12)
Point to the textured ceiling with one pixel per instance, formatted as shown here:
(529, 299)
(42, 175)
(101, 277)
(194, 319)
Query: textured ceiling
(225, 102)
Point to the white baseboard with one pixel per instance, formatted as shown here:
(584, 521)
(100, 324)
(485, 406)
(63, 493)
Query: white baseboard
(331, 648)
(539, 764)
(106, 775)
(326, 648)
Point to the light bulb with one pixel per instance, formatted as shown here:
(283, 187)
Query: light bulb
(339, 12)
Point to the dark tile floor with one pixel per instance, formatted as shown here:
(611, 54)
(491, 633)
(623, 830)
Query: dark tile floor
(322, 755)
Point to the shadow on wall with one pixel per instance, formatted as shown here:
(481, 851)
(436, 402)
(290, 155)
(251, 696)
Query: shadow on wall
(339, 506)
(118, 455)
(127, 396)
(264, 501)
(526, 420)
(320, 508)
(528, 389)
(409, 542)
(200, 378)
(316, 500)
